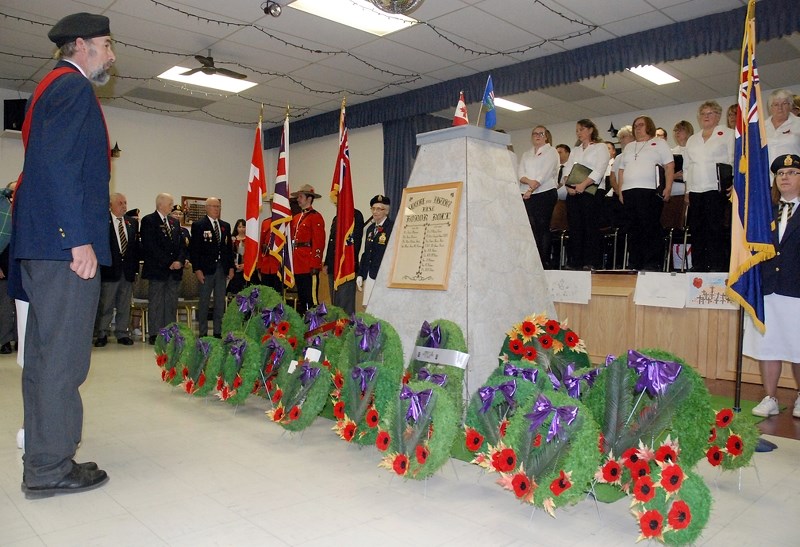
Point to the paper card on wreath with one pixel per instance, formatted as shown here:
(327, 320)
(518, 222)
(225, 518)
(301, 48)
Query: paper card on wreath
(292, 366)
(662, 290)
(312, 355)
(707, 290)
(568, 286)
(441, 356)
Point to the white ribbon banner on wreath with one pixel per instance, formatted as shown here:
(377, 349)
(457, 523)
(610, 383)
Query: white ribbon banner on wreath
(440, 356)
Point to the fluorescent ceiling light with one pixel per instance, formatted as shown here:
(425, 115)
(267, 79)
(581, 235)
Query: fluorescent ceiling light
(359, 14)
(653, 74)
(509, 105)
(214, 81)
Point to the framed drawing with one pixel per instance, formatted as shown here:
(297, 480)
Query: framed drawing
(425, 236)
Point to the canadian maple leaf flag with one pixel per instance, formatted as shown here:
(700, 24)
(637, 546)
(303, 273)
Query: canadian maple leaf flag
(460, 117)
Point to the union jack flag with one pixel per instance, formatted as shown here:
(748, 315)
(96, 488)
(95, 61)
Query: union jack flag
(280, 245)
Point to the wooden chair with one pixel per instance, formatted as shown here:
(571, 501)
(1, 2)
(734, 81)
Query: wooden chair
(188, 295)
(674, 221)
(140, 302)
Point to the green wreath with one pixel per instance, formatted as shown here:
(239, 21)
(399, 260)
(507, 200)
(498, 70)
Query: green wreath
(280, 320)
(170, 344)
(544, 463)
(420, 428)
(304, 394)
(441, 334)
(326, 329)
(238, 368)
(546, 342)
(370, 371)
(198, 367)
(732, 440)
(243, 310)
(275, 354)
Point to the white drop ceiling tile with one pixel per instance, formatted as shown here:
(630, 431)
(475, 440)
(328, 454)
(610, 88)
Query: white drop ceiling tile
(639, 23)
(781, 75)
(695, 9)
(601, 12)
(401, 57)
(706, 65)
(491, 33)
(645, 99)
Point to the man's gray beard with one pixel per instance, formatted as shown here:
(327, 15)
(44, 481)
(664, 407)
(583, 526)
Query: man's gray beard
(100, 77)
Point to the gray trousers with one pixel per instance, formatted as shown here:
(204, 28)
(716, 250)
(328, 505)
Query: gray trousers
(8, 329)
(162, 306)
(114, 295)
(214, 283)
(58, 347)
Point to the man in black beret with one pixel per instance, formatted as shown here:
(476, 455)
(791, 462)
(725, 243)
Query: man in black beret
(55, 255)
(375, 240)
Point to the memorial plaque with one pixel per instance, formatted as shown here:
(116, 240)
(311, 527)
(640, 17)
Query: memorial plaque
(425, 236)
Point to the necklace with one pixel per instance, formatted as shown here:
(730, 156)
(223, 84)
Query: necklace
(636, 150)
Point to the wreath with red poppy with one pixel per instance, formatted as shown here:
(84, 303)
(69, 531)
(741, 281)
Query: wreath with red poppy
(238, 368)
(300, 395)
(200, 360)
(732, 440)
(253, 299)
(546, 342)
(171, 342)
(328, 337)
(417, 447)
(442, 334)
(275, 354)
(363, 394)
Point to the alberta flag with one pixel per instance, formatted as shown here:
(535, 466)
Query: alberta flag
(488, 105)
(751, 225)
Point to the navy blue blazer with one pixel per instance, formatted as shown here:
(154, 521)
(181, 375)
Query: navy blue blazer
(781, 275)
(62, 201)
(126, 265)
(159, 249)
(204, 252)
(375, 242)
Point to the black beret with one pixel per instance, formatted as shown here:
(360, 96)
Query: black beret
(379, 199)
(177, 208)
(787, 160)
(78, 25)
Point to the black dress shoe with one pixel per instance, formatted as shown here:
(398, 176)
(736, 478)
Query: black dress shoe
(6, 348)
(79, 479)
(90, 466)
(125, 341)
(101, 342)
(151, 340)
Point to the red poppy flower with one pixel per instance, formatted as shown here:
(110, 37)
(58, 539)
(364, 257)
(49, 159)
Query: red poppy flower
(516, 346)
(161, 359)
(671, 478)
(504, 460)
(266, 337)
(278, 414)
(293, 342)
(173, 372)
(268, 385)
(282, 328)
(571, 339)
(529, 353)
(473, 440)
(521, 484)
(651, 523)
(256, 387)
(201, 380)
(503, 427)
(601, 443)
(552, 327)
(422, 454)
(712, 435)
(546, 341)
(528, 329)
(724, 417)
(679, 515)
(639, 469)
(400, 464)
(185, 373)
(349, 431)
(338, 330)
(338, 379)
(734, 445)
(189, 386)
(612, 471)
(630, 457)
(294, 413)
(372, 418)
(560, 484)
(537, 440)
(338, 410)
(237, 382)
(714, 456)
(719, 133)
(225, 393)
(383, 440)
(666, 454)
(277, 395)
(644, 489)
(163, 375)
(220, 383)
(406, 377)
(269, 368)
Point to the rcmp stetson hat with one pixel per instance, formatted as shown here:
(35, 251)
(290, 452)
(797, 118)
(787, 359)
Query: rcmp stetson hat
(78, 25)
(383, 200)
(786, 160)
(306, 189)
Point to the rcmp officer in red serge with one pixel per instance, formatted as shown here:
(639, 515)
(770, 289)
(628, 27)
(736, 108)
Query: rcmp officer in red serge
(60, 236)
(308, 242)
(375, 240)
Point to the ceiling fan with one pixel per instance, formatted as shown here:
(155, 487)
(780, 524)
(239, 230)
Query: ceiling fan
(209, 69)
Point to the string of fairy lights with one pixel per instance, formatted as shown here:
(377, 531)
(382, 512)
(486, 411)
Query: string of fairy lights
(398, 78)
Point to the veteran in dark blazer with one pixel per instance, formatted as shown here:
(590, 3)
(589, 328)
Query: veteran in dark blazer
(375, 240)
(60, 235)
(211, 255)
(116, 287)
(164, 255)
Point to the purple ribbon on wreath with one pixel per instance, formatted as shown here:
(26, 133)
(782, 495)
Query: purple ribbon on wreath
(307, 373)
(237, 347)
(416, 401)
(610, 359)
(487, 393)
(247, 303)
(370, 335)
(203, 346)
(272, 316)
(528, 374)
(542, 408)
(173, 331)
(431, 337)
(573, 383)
(438, 379)
(316, 342)
(363, 376)
(316, 317)
(655, 376)
(275, 350)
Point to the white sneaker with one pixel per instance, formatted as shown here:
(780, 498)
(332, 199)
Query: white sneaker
(21, 439)
(767, 407)
(796, 411)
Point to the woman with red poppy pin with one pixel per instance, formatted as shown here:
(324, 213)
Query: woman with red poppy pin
(706, 195)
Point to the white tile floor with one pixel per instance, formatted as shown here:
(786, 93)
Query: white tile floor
(193, 472)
